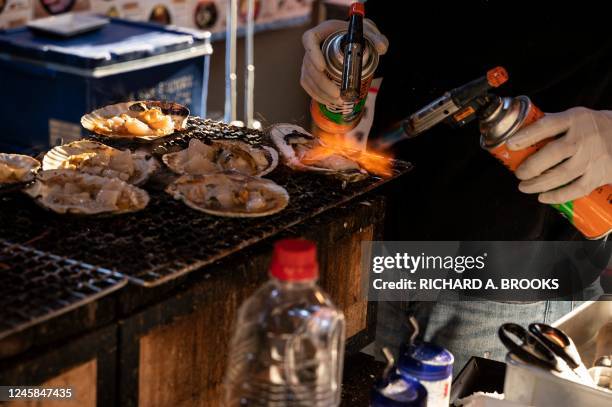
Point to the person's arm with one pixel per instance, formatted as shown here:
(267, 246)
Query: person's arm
(571, 166)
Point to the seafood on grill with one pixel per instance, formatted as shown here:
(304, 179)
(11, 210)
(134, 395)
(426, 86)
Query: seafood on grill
(230, 194)
(147, 120)
(304, 152)
(96, 158)
(67, 191)
(222, 155)
(17, 168)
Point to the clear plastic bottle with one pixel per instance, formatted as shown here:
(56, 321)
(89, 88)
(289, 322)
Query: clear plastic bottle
(288, 342)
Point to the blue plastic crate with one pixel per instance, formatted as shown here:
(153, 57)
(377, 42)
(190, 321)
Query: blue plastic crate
(47, 84)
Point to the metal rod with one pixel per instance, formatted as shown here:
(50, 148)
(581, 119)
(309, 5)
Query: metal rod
(249, 91)
(204, 96)
(230, 61)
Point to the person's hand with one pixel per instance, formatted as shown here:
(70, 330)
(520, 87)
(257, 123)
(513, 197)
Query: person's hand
(571, 166)
(313, 79)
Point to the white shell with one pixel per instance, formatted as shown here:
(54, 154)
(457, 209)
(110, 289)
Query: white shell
(144, 165)
(49, 191)
(279, 134)
(16, 168)
(177, 161)
(179, 114)
(182, 187)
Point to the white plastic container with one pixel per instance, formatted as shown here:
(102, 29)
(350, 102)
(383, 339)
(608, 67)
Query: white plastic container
(533, 386)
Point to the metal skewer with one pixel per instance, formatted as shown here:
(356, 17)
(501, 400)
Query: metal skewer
(250, 65)
(230, 61)
(205, 76)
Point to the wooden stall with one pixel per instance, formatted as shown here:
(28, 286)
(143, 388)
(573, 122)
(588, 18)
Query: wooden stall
(167, 345)
(138, 309)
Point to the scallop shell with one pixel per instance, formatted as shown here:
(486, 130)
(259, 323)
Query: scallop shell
(179, 114)
(177, 161)
(144, 164)
(276, 196)
(281, 135)
(21, 168)
(49, 188)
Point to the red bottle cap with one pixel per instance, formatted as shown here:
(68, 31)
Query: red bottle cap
(294, 260)
(357, 8)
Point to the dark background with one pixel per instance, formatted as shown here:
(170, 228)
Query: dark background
(558, 54)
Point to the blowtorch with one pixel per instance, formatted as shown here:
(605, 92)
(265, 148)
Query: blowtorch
(350, 59)
(353, 43)
(499, 119)
(458, 106)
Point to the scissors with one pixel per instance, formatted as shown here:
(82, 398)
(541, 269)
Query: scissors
(544, 346)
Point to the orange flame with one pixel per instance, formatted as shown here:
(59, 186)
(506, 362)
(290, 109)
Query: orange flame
(331, 144)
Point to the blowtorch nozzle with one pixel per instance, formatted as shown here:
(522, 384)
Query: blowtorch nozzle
(353, 44)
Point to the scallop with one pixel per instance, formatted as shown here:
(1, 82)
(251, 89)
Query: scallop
(146, 120)
(17, 168)
(222, 155)
(230, 194)
(72, 192)
(294, 144)
(96, 158)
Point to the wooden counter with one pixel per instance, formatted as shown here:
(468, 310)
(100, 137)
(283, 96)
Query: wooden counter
(167, 345)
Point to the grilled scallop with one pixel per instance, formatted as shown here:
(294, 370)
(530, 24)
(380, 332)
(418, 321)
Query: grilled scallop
(230, 194)
(146, 120)
(67, 191)
(16, 168)
(222, 155)
(99, 159)
(302, 151)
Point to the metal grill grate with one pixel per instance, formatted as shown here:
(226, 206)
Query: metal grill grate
(168, 239)
(35, 286)
(208, 129)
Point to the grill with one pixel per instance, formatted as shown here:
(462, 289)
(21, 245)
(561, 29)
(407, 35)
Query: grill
(35, 286)
(168, 239)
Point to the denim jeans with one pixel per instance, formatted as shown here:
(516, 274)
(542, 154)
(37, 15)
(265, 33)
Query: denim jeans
(466, 328)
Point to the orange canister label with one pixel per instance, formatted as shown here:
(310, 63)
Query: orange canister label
(592, 214)
(512, 159)
(321, 119)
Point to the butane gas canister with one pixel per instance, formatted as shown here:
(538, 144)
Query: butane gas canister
(592, 214)
(341, 118)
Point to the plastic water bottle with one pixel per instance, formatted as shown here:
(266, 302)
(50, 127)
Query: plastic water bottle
(288, 344)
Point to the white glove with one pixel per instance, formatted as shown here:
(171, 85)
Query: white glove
(313, 79)
(586, 148)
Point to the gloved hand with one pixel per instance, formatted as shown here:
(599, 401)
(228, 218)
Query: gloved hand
(313, 79)
(586, 148)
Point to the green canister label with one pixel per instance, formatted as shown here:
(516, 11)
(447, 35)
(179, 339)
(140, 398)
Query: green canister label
(341, 119)
(566, 209)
